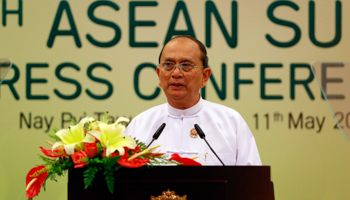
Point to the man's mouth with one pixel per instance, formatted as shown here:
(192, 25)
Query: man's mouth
(176, 86)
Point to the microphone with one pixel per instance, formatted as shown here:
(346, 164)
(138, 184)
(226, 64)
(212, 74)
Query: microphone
(202, 135)
(157, 133)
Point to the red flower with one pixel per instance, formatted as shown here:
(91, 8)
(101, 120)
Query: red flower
(114, 154)
(134, 163)
(110, 155)
(35, 180)
(91, 149)
(54, 154)
(184, 161)
(134, 151)
(77, 156)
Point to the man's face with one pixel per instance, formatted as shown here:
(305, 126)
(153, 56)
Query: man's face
(182, 88)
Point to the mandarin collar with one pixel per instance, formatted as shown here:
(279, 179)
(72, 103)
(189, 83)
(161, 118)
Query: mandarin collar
(186, 112)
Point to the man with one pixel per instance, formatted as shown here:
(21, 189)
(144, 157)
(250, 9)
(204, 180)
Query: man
(182, 72)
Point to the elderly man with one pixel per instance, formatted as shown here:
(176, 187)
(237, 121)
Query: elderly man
(183, 71)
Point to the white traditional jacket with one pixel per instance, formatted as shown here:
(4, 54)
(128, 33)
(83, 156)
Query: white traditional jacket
(224, 128)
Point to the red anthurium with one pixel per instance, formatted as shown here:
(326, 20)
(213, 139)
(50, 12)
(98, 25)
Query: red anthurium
(77, 156)
(184, 161)
(54, 154)
(35, 180)
(134, 163)
(134, 151)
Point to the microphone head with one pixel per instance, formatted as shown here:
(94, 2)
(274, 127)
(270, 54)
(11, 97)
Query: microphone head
(199, 131)
(159, 131)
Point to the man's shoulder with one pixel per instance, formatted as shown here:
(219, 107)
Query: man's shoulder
(211, 106)
(160, 109)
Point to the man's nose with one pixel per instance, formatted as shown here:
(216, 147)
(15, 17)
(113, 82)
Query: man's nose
(177, 72)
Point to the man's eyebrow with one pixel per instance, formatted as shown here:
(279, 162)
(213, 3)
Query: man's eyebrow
(188, 59)
(182, 59)
(167, 58)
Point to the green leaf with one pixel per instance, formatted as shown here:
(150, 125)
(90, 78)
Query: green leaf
(72, 120)
(110, 183)
(97, 160)
(100, 148)
(87, 125)
(44, 184)
(55, 129)
(142, 145)
(109, 169)
(117, 167)
(89, 175)
(46, 160)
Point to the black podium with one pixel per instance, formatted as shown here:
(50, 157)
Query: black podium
(205, 182)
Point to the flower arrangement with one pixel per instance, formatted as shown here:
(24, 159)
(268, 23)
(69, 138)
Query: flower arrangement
(95, 145)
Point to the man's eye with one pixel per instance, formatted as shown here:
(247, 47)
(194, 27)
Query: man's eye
(168, 64)
(186, 65)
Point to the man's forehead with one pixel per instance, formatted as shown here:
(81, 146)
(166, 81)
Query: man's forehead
(181, 40)
(184, 46)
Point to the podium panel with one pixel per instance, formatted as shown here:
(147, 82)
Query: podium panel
(205, 182)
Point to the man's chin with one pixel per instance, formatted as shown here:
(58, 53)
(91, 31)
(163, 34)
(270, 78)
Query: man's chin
(176, 95)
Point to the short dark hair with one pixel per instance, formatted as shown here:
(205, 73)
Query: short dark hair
(202, 48)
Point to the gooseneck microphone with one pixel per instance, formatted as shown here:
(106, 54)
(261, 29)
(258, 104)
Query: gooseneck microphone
(202, 135)
(157, 133)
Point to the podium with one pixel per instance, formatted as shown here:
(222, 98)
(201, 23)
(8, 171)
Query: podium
(204, 182)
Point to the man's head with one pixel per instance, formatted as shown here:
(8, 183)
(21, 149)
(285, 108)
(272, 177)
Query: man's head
(201, 46)
(182, 87)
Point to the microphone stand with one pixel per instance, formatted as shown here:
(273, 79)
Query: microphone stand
(202, 135)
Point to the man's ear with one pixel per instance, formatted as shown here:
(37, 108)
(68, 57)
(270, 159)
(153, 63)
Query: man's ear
(158, 71)
(206, 75)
